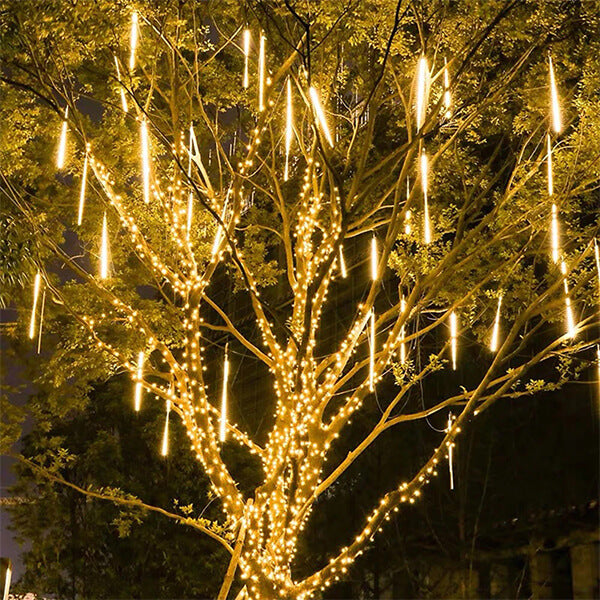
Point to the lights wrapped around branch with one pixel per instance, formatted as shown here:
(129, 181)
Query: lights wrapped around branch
(62, 143)
(223, 420)
(37, 282)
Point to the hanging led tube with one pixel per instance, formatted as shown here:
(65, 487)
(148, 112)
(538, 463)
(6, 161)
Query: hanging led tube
(496, 331)
(39, 341)
(555, 105)
(145, 159)
(407, 214)
(121, 90)
(554, 234)
(261, 73)
(289, 129)
(374, 273)
(597, 254)
(164, 450)
(453, 338)
(422, 84)
(246, 82)
(133, 40)
(320, 114)
(190, 206)
(424, 186)
(402, 332)
(447, 96)
(372, 351)
(62, 143)
(450, 453)
(223, 422)
(104, 250)
(571, 327)
(139, 386)
(83, 188)
(343, 270)
(37, 282)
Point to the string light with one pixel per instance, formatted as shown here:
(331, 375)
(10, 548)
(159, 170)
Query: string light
(320, 114)
(289, 129)
(426, 224)
(139, 386)
(104, 250)
(447, 96)
(121, 90)
(571, 327)
(83, 188)
(450, 453)
(145, 159)
(164, 450)
(37, 282)
(374, 258)
(372, 351)
(62, 144)
(343, 263)
(133, 40)
(496, 330)
(422, 85)
(556, 118)
(261, 74)
(39, 344)
(223, 423)
(453, 337)
(246, 57)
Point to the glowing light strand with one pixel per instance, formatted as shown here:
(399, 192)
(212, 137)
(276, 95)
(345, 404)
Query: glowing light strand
(164, 449)
(402, 332)
(407, 214)
(39, 341)
(447, 95)
(422, 85)
(261, 73)
(145, 159)
(289, 129)
(246, 43)
(496, 330)
(124, 104)
(104, 250)
(571, 327)
(320, 114)
(133, 40)
(343, 270)
(223, 422)
(139, 385)
(37, 282)
(62, 144)
(556, 117)
(424, 186)
(453, 338)
(83, 189)
(450, 453)
(374, 270)
(372, 350)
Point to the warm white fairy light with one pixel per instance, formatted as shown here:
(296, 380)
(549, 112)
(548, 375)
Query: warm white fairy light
(62, 144)
(496, 330)
(223, 421)
(261, 73)
(374, 273)
(556, 118)
(39, 341)
(121, 90)
(422, 85)
(424, 186)
(133, 40)
(37, 282)
(82, 189)
(402, 331)
(164, 449)
(372, 350)
(320, 114)
(447, 96)
(453, 338)
(450, 453)
(104, 250)
(246, 57)
(289, 128)
(343, 270)
(139, 385)
(145, 144)
(571, 327)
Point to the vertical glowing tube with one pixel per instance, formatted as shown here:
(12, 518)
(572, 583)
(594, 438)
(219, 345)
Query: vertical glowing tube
(372, 351)
(571, 328)
(104, 250)
(450, 453)
(555, 236)
(246, 56)
(422, 77)
(289, 129)
(83, 188)
(447, 96)
(402, 333)
(407, 214)
(597, 254)
(374, 258)
(343, 270)
(123, 97)
(549, 163)
(39, 344)
(7, 579)
(320, 114)
(62, 144)
(496, 330)
(145, 160)
(426, 224)
(36, 293)
(164, 450)
(133, 40)
(261, 73)
(556, 118)
(453, 336)
(190, 206)
(223, 423)
(139, 386)
(598, 366)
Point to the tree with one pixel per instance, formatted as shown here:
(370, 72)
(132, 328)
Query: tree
(248, 243)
